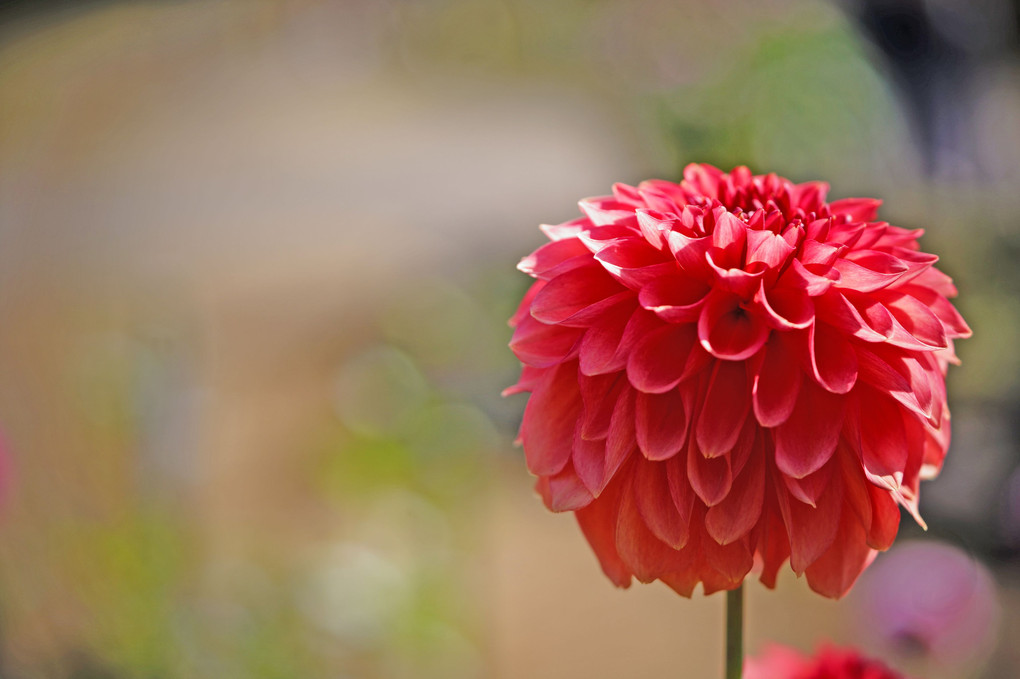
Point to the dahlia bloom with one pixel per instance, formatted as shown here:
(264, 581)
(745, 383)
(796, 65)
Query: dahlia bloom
(779, 662)
(730, 372)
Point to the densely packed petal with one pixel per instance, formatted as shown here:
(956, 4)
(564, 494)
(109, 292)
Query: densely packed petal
(731, 372)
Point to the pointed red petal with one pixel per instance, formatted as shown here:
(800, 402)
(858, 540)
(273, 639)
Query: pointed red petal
(690, 252)
(655, 504)
(655, 225)
(951, 319)
(566, 229)
(724, 409)
(635, 263)
(868, 270)
(573, 292)
(549, 421)
(620, 441)
(599, 349)
(710, 477)
(916, 318)
(727, 330)
(598, 523)
(599, 395)
(786, 308)
(675, 299)
(776, 383)
(856, 209)
(811, 487)
(811, 529)
(807, 439)
(732, 561)
(739, 511)
(768, 248)
(773, 541)
(679, 486)
(524, 308)
(835, 571)
(833, 360)
(555, 258)
(643, 553)
(589, 460)
(661, 423)
(563, 492)
(660, 360)
(542, 345)
(885, 521)
(883, 440)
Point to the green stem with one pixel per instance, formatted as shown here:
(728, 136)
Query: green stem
(735, 632)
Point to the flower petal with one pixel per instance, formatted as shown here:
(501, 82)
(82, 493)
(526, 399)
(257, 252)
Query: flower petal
(573, 292)
(661, 423)
(727, 330)
(731, 561)
(809, 488)
(566, 229)
(868, 270)
(856, 209)
(598, 522)
(916, 318)
(811, 530)
(808, 438)
(740, 281)
(599, 351)
(599, 395)
(834, 572)
(836, 310)
(728, 239)
(663, 358)
(786, 308)
(550, 417)
(563, 492)
(541, 345)
(675, 299)
(690, 252)
(883, 440)
(710, 477)
(885, 521)
(655, 225)
(605, 210)
(555, 258)
(655, 505)
(644, 554)
(724, 409)
(620, 441)
(776, 383)
(833, 360)
(951, 319)
(635, 263)
(589, 460)
(737, 514)
(769, 248)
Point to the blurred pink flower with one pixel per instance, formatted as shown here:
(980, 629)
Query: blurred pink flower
(929, 598)
(780, 662)
(730, 371)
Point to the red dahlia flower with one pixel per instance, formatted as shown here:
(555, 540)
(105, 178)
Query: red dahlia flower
(779, 662)
(730, 371)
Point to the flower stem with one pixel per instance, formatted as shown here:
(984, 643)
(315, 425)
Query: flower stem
(735, 632)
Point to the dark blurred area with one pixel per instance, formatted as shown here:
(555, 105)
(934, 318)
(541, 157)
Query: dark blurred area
(256, 261)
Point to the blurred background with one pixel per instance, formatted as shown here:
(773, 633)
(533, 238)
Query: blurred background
(256, 261)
